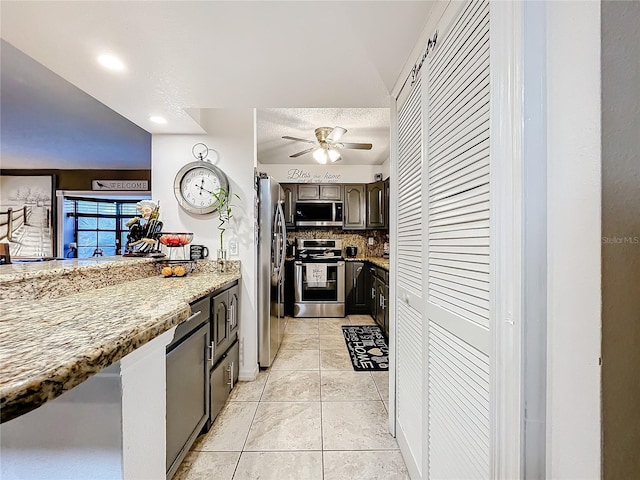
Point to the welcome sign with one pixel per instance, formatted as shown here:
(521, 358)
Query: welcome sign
(129, 185)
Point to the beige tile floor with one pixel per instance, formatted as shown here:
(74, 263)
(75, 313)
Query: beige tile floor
(309, 417)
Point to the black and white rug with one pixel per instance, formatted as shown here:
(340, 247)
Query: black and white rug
(367, 347)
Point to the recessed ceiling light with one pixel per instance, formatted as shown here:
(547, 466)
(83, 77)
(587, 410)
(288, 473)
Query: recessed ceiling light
(111, 62)
(158, 119)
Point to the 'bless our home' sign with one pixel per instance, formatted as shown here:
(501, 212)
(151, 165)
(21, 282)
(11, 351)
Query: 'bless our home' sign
(298, 175)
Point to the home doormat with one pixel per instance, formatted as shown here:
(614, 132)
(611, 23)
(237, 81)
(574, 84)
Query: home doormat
(367, 347)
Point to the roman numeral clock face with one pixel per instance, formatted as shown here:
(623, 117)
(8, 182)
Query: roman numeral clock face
(195, 185)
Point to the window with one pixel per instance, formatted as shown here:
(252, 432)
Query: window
(98, 225)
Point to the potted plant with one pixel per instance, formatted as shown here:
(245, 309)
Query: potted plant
(225, 214)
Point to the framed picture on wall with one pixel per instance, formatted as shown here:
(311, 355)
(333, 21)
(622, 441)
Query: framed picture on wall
(27, 215)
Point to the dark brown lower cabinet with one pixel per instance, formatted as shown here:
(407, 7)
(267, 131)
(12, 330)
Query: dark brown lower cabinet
(202, 367)
(371, 291)
(356, 294)
(382, 311)
(377, 292)
(225, 356)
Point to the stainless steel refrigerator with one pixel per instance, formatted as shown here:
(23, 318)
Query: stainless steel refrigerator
(272, 241)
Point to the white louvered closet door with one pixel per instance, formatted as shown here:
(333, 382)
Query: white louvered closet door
(458, 242)
(410, 279)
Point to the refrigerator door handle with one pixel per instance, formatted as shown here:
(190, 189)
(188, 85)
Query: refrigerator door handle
(276, 253)
(283, 244)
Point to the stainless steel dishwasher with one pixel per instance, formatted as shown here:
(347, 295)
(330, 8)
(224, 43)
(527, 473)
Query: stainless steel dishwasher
(187, 374)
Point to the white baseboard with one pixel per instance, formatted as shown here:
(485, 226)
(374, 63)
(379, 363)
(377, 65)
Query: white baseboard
(248, 375)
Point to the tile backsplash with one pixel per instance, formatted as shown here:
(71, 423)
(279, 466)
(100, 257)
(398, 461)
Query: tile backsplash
(349, 238)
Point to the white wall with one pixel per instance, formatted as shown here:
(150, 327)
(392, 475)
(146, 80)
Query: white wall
(574, 183)
(231, 133)
(75, 436)
(385, 168)
(323, 173)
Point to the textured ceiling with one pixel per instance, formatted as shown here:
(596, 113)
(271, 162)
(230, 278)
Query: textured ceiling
(364, 125)
(188, 55)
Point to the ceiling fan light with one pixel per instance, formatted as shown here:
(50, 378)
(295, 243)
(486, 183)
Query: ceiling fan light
(320, 155)
(334, 155)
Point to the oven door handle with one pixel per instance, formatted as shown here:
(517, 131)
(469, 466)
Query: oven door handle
(339, 264)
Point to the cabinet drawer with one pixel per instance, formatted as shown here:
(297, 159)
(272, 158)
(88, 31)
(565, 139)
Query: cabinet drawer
(219, 389)
(204, 306)
(223, 378)
(372, 271)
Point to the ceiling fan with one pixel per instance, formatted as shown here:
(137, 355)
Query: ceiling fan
(327, 148)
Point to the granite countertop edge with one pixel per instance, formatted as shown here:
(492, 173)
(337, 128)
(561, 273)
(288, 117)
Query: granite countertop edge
(381, 262)
(23, 397)
(50, 377)
(54, 268)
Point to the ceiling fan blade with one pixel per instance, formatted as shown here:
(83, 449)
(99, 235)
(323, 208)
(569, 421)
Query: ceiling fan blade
(357, 146)
(302, 152)
(336, 134)
(296, 139)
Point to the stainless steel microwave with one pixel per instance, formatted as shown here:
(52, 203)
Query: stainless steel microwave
(318, 214)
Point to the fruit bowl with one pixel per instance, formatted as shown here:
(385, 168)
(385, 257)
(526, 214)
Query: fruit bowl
(175, 268)
(172, 239)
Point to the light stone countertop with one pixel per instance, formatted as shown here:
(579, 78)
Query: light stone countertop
(50, 345)
(55, 278)
(27, 270)
(377, 261)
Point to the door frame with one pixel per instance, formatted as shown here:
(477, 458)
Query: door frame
(507, 252)
(516, 187)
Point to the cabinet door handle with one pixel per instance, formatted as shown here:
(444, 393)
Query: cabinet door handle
(211, 350)
(383, 302)
(373, 293)
(230, 370)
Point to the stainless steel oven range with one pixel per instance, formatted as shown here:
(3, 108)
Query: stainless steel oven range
(319, 278)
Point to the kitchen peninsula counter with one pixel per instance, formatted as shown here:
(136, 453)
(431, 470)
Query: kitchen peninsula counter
(50, 345)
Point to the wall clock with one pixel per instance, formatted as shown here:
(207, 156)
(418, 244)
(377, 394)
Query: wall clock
(196, 182)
